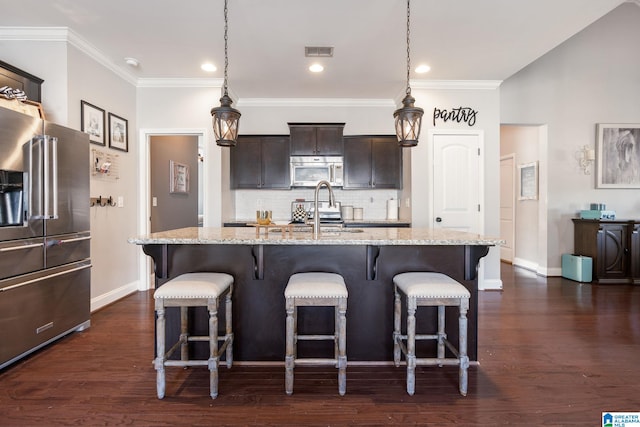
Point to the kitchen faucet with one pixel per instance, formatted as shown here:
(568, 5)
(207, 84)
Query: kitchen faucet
(316, 213)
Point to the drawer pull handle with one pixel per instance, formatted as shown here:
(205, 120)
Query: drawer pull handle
(17, 248)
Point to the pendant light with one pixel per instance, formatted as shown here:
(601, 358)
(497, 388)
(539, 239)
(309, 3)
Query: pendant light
(226, 119)
(409, 117)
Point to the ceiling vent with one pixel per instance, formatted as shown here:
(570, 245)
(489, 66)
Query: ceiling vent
(315, 51)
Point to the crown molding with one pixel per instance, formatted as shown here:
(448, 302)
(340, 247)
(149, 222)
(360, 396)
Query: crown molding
(456, 84)
(179, 82)
(314, 102)
(637, 2)
(65, 34)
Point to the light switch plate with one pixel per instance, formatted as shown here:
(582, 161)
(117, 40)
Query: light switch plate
(120, 202)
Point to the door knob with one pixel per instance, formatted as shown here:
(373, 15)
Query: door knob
(438, 219)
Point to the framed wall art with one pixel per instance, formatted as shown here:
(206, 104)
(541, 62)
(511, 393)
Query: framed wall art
(118, 133)
(618, 155)
(92, 122)
(528, 179)
(179, 177)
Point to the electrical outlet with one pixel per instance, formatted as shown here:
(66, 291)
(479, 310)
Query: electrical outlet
(407, 202)
(154, 201)
(120, 201)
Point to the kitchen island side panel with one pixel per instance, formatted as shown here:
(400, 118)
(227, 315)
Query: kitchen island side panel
(261, 273)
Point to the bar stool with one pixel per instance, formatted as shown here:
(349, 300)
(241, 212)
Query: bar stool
(318, 290)
(430, 289)
(194, 290)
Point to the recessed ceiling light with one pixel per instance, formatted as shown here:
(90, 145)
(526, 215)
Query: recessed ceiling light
(316, 68)
(423, 68)
(133, 62)
(208, 67)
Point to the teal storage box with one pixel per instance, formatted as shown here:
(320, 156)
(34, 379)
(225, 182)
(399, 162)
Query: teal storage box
(577, 267)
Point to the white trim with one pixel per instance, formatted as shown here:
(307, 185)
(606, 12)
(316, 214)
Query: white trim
(526, 264)
(179, 82)
(314, 102)
(64, 34)
(490, 285)
(511, 156)
(113, 295)
(456, 84)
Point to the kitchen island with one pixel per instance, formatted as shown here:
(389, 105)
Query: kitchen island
(368, 259)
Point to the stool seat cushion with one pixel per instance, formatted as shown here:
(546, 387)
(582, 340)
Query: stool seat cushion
(430, 285)
(316, 285)
(195, 285)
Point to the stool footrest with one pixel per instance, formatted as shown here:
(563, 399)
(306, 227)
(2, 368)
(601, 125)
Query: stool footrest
(315, 361)
(186, 363)
(315, 337)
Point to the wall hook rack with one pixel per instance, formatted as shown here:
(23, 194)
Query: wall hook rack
(101, 201)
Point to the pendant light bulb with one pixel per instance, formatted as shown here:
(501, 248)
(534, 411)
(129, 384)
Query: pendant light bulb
(226, 119)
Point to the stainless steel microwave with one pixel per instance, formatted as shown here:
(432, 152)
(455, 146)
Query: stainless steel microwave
(307, 171)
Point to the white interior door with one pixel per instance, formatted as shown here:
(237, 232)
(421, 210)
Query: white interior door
(507, 207)
(457, 181)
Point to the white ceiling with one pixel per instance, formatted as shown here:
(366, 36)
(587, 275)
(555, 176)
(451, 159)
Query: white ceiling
(459, 39)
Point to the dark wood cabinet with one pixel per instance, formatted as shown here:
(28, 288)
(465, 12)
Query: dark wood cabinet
(613, 245)
(316, 139)
(260, 162)
(372, 162)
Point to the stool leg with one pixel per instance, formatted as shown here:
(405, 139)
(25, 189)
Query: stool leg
(462, 347)
(213, 347)
(229, 330)
(397, 314)
(342, 348)
(411, 345)
(184, 333)
(160, 350)
(336, 334)
(289, 360)
(441, 333)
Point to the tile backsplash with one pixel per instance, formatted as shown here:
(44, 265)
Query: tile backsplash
(373, 202)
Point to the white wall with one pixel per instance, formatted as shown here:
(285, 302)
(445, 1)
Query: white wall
(591, 78)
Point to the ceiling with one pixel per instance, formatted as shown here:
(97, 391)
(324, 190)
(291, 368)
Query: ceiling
(459, 39)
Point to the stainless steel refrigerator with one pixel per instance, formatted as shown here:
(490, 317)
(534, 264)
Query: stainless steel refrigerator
(45, 266)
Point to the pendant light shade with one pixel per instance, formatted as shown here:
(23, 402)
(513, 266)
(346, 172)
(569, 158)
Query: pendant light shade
(225, 122)
(408, 122)
(409, 117)
(226, 119)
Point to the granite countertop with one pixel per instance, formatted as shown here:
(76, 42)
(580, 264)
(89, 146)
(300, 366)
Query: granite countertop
(349, 236)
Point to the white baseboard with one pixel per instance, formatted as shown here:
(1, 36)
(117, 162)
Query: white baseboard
(490, 285)
(541, 271)
(113, 296)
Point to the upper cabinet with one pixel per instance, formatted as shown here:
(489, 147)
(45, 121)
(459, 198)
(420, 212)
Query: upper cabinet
(260, 162)
(18, 79)
(324, 139)
(372, 162)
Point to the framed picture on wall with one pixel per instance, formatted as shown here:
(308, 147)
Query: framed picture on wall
(92, 122)
(179, 177)
(618, 155)
(118, 133)
(528, 179)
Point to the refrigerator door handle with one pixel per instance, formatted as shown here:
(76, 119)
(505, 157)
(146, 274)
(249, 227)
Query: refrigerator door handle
(17, 248)
(50, 177)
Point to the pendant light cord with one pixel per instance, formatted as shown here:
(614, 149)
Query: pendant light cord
(408, 91)
(226, 38)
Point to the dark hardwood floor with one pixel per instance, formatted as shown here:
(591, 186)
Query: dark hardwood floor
(551, 352)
